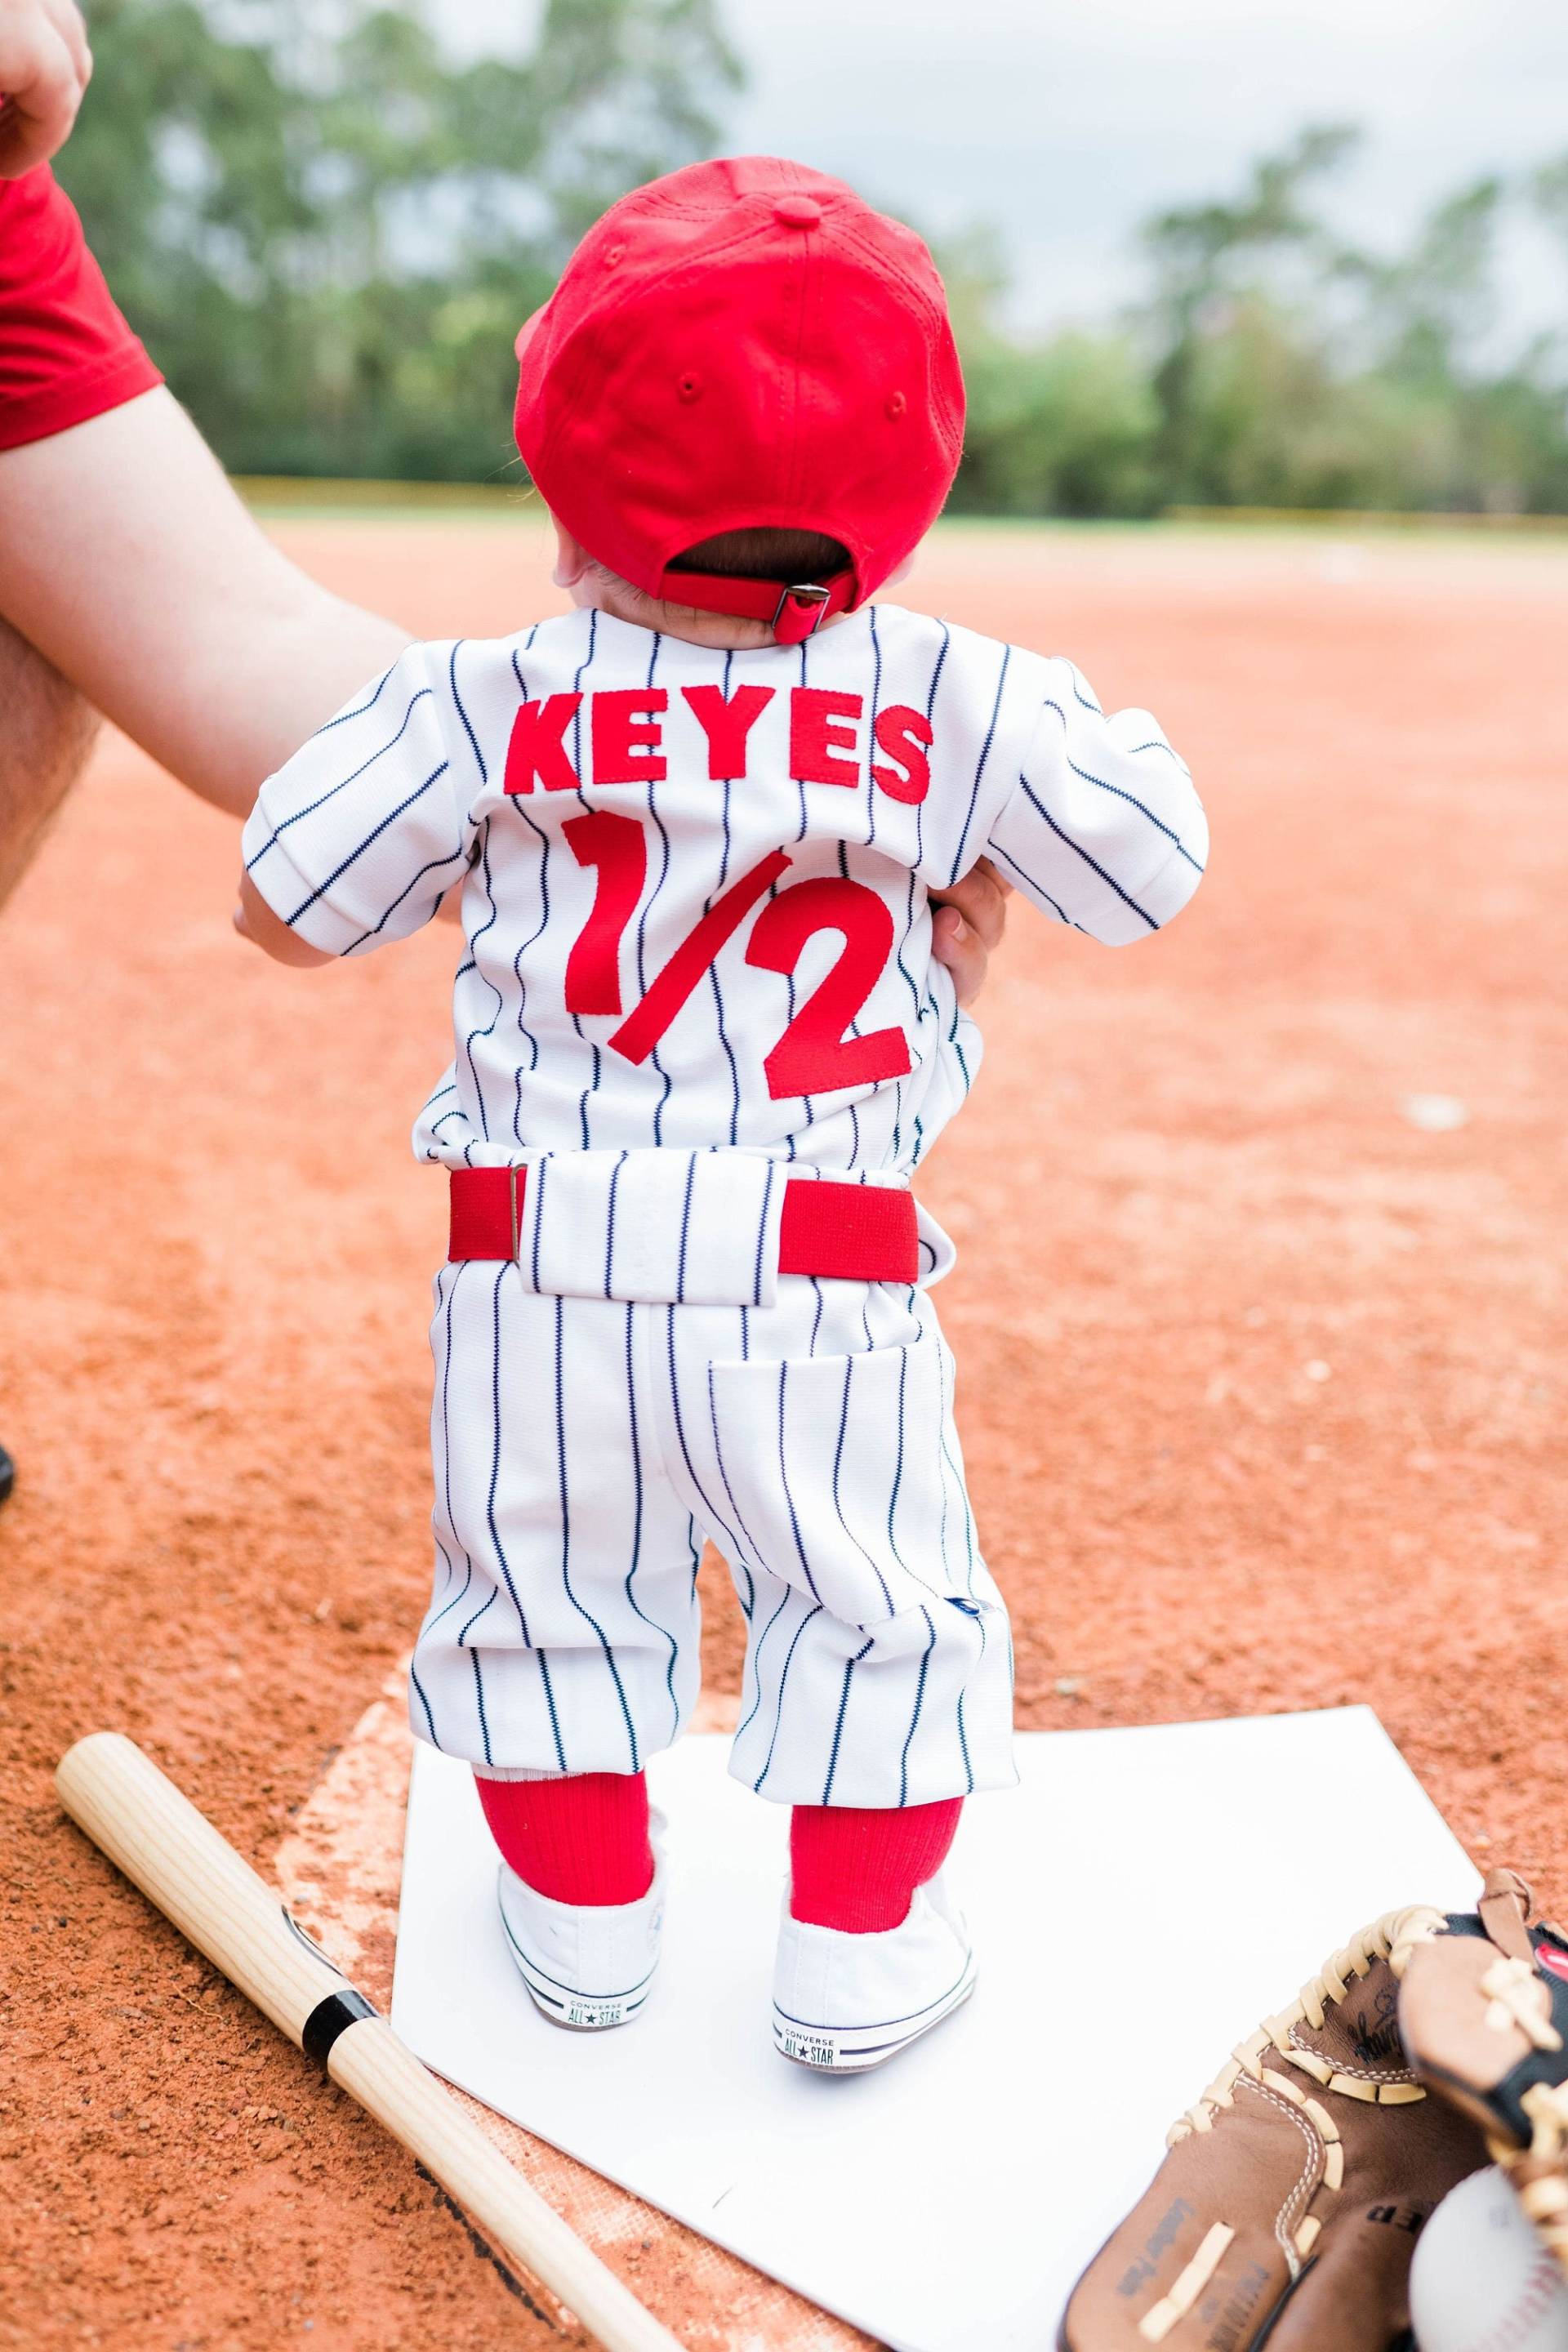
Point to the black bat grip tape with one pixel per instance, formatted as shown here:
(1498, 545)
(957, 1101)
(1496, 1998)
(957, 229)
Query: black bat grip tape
(329, 2019)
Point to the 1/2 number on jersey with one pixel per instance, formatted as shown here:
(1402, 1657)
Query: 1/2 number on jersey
(814, 1055)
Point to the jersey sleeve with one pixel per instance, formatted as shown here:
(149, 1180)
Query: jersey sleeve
(356, 839)
(1102, 829)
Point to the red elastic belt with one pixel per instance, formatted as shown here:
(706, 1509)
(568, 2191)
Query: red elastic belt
(846, 1233)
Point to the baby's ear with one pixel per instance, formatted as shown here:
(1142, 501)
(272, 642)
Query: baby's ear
(572, 562)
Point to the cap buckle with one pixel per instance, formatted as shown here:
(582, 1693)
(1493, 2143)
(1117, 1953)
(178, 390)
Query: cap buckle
(804, 592)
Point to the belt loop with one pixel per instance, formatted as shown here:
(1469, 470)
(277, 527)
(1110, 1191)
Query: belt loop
(511, 1196)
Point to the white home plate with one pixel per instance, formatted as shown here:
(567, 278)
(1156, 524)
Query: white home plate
(1137, 1905)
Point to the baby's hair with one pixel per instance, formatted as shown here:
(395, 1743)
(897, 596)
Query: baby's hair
(764, 553)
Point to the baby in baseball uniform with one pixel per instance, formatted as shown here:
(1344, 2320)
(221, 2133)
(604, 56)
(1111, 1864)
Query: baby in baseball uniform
(702, 1046)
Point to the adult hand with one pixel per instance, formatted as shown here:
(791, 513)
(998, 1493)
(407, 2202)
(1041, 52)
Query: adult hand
(967, 923)
(44, 67)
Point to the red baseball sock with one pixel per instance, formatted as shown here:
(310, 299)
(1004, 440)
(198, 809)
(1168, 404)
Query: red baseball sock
(581, 1839)
(856, 1868)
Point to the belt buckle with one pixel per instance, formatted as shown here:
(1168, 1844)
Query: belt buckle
(804, 592)
(511, 1201)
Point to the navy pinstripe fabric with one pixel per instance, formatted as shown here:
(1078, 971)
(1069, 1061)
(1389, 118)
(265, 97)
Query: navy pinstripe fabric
(321, 889)
(961, 863)
(1089, 815)
(587, 1614)
(298, 815)
(635, 1444)
(591, 1431)
(816, 1610)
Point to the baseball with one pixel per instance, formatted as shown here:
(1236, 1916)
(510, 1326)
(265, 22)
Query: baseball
(1481, 2280)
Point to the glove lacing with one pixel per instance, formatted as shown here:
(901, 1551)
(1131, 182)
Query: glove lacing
(1391, 1939)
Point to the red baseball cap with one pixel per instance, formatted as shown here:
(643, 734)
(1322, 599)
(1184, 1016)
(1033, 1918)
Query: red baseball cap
(739, 344)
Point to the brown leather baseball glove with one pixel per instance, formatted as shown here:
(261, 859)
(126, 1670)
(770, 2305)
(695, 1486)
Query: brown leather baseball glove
(1483, 2013)
(1289, 2204)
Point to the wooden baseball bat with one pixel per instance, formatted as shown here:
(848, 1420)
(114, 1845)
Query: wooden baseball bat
(180, 1863)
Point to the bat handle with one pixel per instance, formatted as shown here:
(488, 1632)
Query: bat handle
(386, 2077)
(173, 1853)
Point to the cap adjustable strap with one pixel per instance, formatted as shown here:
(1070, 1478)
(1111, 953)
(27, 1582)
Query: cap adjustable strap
(792, 609)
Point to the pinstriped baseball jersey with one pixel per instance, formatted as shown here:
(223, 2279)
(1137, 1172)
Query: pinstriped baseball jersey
(696, 884)
(698, 955)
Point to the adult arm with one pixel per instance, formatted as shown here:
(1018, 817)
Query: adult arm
(129, 561)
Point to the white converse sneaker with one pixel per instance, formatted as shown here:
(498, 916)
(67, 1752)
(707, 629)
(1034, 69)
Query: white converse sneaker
(844, 2003)
(588, 1965)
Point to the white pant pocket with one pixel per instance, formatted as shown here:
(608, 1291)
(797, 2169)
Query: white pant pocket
(834, 1467)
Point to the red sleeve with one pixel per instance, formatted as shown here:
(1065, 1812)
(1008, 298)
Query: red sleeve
(65, 353)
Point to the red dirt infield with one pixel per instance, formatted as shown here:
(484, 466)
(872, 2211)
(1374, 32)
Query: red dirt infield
(1261, 1361)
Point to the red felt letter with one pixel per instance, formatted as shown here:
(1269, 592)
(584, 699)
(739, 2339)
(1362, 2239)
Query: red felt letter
(617, 847)
(626, 736)
(821, 751)
(538, 746)
(727, 724)
(814, 1056)
(905, 736)
(646, 1024)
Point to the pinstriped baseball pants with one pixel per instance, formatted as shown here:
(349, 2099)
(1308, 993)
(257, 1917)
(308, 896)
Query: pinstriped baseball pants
(584, 1447)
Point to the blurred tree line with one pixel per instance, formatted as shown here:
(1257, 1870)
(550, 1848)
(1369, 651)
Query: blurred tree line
(1273, 365)
(328, 232)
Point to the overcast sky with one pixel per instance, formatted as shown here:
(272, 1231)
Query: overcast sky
(1066, 125)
